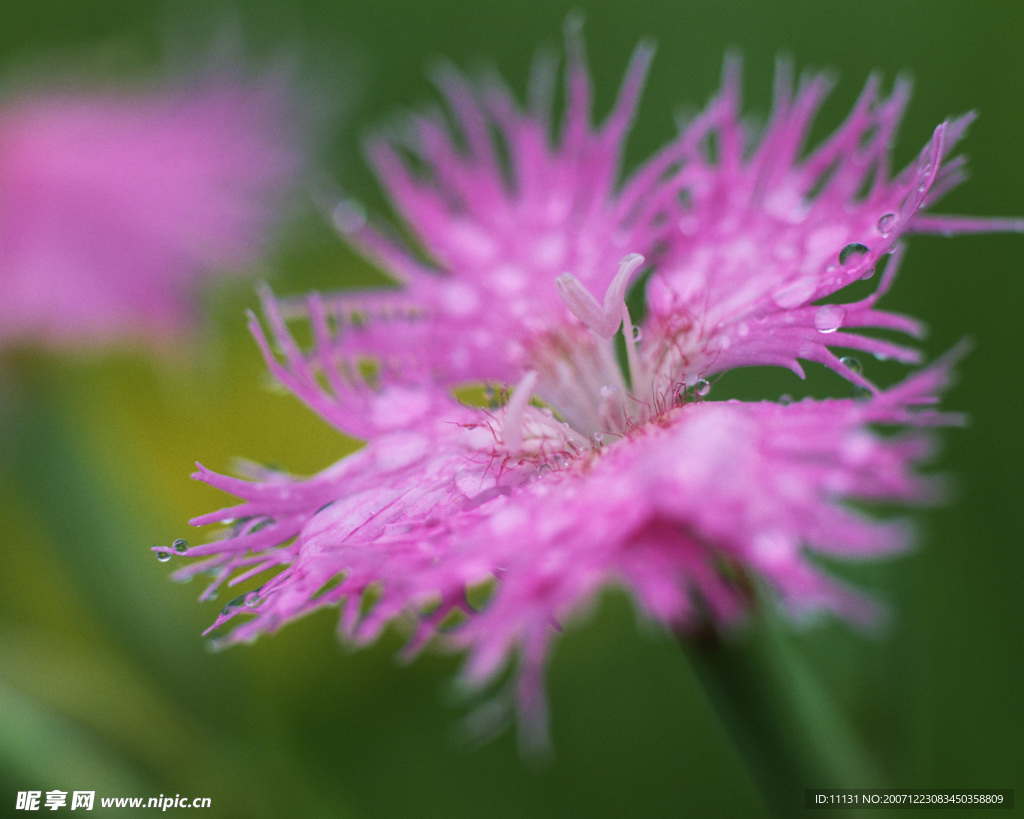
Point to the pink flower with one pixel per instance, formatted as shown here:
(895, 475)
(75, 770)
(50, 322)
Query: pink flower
(485, 527)
(116, 205)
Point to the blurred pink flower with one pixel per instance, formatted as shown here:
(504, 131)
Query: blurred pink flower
(606, 463)
(116, 205)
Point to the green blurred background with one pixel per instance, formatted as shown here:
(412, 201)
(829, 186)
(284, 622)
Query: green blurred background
(105, 683)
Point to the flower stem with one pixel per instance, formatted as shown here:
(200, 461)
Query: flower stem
(779, 715)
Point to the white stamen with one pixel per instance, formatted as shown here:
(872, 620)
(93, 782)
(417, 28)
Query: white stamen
(611, 409)
(604, 320)
(512, 423)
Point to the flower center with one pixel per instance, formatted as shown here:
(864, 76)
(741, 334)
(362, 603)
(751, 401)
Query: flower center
(588, 399)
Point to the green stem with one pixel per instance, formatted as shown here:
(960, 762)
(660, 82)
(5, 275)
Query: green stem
(779, 716)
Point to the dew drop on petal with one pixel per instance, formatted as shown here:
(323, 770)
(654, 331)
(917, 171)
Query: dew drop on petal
(596, 439)
(886, 223)
(233, 604)
(689, 225)
(794, 293)
(785, 399)
(637, 333)
(509, 280)
(702, 387)
(772, 549)
(851, 363)
(851, 255)
(349, 216)
(163, 557)
(180, 546)
(252, 599)
(829, 318)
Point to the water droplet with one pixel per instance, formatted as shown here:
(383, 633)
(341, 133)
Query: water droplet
(233, 604)
(560, 461)
(851, 363)
(163, 557)
(180, 546)
(785, 399)
(861, 393)
(637, 333)
(252, 599)
(829, 318)
(702, 387)
(349, 216)
(886, 223)
(851, 255)
(689, 225)
(794, 293)
(596, 439)
(263, 523)
(869, 271)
